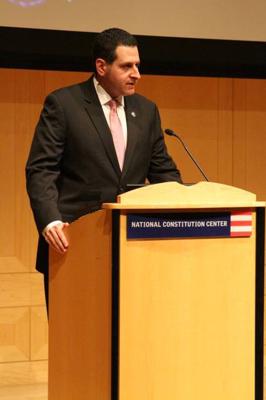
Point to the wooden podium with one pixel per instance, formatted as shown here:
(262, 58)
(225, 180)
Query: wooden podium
(160, 297)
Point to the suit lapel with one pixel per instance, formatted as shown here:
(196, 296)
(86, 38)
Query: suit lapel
(132, 130)
(96, 115)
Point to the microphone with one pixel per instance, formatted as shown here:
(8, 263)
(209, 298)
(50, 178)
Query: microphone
(169, 132)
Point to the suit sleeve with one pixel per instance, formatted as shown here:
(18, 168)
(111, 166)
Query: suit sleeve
(43, 165)
(162, 168)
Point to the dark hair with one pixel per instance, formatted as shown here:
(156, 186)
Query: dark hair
(107, 41)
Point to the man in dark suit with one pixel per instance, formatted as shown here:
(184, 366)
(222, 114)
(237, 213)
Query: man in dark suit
(73, 166)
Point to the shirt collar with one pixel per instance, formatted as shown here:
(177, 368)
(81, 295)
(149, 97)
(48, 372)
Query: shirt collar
(103, 96)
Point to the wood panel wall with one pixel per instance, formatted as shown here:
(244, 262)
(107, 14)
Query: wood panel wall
(222, 120)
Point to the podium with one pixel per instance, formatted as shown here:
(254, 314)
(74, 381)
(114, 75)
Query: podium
(160, 297)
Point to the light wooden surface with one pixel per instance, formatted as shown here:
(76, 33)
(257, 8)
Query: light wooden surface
(186, 347)
(177, 338)
(23, 322)
(24, 392)
(80, 305)
(173, 195)
(23, 373)
(188, 310)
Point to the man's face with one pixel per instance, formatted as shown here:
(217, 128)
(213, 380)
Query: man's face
(120, 77)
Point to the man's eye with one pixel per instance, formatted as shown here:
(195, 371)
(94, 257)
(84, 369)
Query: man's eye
(126, 67)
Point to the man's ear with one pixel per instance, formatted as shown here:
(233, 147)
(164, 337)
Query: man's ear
(101, 66)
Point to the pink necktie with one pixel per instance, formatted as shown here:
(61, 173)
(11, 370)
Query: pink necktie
(117, 133)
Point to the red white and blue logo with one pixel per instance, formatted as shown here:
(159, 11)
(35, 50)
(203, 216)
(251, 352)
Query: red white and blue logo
(241, 223)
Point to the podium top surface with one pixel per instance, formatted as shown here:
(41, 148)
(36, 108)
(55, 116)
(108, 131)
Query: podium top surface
(172, 195)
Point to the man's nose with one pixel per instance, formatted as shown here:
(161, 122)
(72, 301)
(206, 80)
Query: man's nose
(135, 72)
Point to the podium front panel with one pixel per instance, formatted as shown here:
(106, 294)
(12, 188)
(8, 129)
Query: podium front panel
(187, 319)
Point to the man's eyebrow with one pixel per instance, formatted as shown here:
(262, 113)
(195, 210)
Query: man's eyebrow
(130, 63)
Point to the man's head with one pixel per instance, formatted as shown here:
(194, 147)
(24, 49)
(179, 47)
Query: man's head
(116, 60)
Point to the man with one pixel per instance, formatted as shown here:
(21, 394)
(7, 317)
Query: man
(74, 163)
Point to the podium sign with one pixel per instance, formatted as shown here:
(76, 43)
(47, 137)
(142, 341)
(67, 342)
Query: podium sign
(199, 224)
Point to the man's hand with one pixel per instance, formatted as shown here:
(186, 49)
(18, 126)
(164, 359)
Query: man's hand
(56, 238)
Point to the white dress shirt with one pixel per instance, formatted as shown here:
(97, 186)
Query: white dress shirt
(104, 98)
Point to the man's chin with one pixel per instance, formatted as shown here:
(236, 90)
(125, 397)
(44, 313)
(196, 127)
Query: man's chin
(129, 91)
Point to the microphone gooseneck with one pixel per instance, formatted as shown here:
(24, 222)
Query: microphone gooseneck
(170, 132)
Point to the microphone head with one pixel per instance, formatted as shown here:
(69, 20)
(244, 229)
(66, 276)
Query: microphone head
(169, 132)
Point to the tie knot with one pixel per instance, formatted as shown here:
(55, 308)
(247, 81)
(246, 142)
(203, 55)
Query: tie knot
(113, 104)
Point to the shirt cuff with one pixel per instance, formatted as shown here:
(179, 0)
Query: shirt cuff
(50, 225)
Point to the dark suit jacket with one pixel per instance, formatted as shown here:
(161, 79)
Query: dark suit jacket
(72, 166)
